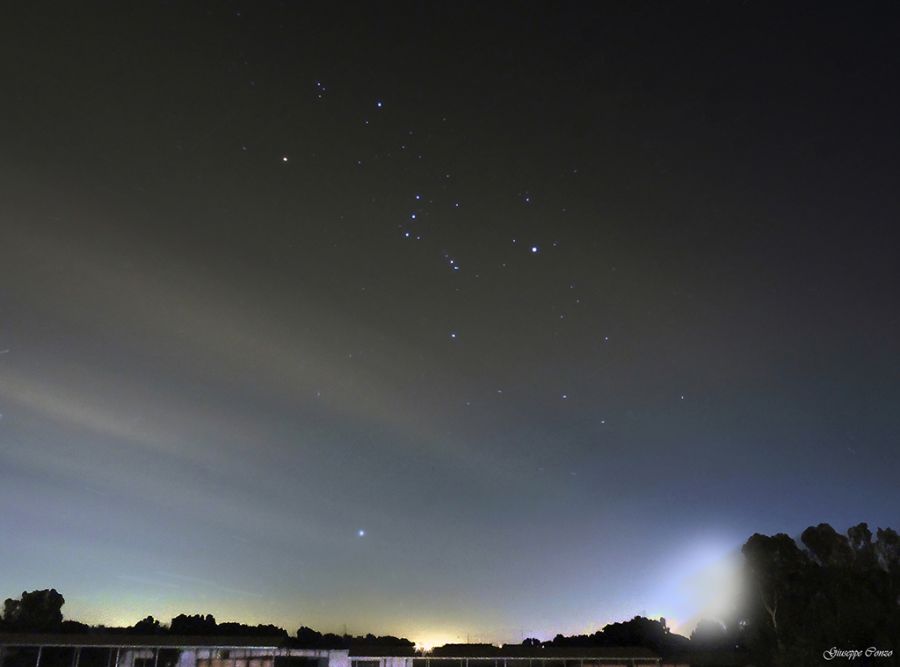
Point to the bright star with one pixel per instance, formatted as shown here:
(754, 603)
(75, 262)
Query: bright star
(361, 532)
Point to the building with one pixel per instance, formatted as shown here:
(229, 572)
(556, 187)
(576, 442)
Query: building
(121, 650)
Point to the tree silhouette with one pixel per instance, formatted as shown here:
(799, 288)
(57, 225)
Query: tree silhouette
(148, 626)
(841, 590)
(196, 624)
(711, 635)
(37, 611)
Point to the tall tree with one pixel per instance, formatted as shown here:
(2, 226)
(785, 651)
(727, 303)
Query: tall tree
(839, 591)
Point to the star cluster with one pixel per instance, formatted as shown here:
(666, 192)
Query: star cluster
(438, 319)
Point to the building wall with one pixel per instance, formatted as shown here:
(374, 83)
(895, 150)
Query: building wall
(382, 661)
(242, 657)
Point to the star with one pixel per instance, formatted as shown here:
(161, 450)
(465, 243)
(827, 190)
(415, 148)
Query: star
(284, 158)
(361, 533)
(535, 250)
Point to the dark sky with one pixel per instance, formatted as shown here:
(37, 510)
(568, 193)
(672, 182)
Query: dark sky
(440, 318)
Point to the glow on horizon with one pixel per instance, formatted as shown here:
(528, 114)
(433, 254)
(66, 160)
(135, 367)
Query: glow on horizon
(126, 612)
(695, 580)
(428, 641)
(701, 581)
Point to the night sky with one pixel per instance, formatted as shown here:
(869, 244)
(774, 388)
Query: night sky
(440, 319)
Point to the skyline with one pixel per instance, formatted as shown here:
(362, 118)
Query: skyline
(440, 320)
